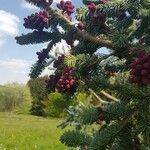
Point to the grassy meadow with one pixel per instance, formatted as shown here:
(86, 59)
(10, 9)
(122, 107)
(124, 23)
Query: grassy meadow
(25, 132)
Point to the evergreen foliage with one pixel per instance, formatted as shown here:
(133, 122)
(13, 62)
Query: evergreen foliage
(39, 94)
(117, 83)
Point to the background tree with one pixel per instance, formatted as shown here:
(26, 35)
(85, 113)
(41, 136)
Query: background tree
(118, 83)
(39, 94)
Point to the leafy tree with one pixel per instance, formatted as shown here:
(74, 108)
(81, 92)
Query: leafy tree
(118, 83)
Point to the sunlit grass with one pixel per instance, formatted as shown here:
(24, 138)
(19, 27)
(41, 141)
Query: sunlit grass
(19, 132)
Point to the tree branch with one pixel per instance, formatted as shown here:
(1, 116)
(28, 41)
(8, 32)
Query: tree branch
(35, 37)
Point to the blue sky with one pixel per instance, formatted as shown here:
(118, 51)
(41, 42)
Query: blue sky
(16, 60)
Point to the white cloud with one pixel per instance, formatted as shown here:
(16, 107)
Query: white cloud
(14, 64)
(8, 26)
(28, 6)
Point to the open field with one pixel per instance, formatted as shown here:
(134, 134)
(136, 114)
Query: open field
(19, 132)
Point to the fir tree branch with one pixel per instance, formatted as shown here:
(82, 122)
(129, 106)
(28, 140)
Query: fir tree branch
(39, 66)
(100, 40)
(35, 37)
(103, 137)
(66, 24)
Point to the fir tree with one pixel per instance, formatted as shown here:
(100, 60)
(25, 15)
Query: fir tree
(39, 93)
(118, 83)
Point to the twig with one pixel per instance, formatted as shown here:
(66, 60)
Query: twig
(110, 97)
(98, 98)
(126, 120)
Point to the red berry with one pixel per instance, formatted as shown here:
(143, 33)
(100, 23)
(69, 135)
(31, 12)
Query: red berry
(132, 72)
(62, 77)
(68, 86)
(145, 81)
(66, 7)
(133, 65)
(92, 7)
(139, 67)
(99, 18)
(136, 79)
(147, 65)
(141, 54)
(139, 61)
(80, 26)
(66, 82)
(72, 82)
(70, 77)
(144, 72)
(37, 21)
(59, 6)
(140, 72)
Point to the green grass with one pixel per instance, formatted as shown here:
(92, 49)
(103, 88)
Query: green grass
(20, 132)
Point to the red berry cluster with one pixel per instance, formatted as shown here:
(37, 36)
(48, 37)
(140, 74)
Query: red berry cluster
(140, 72)
(92, 7)
(81, 26)
(98, 17)
(43, 55)
(66, 7)
(59, 62)
(44, 2)
(37, 21)
(51, 82)
(67, 82)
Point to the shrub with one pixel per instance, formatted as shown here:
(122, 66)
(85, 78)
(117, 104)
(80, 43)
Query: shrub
(15, 97)
(57, 104)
